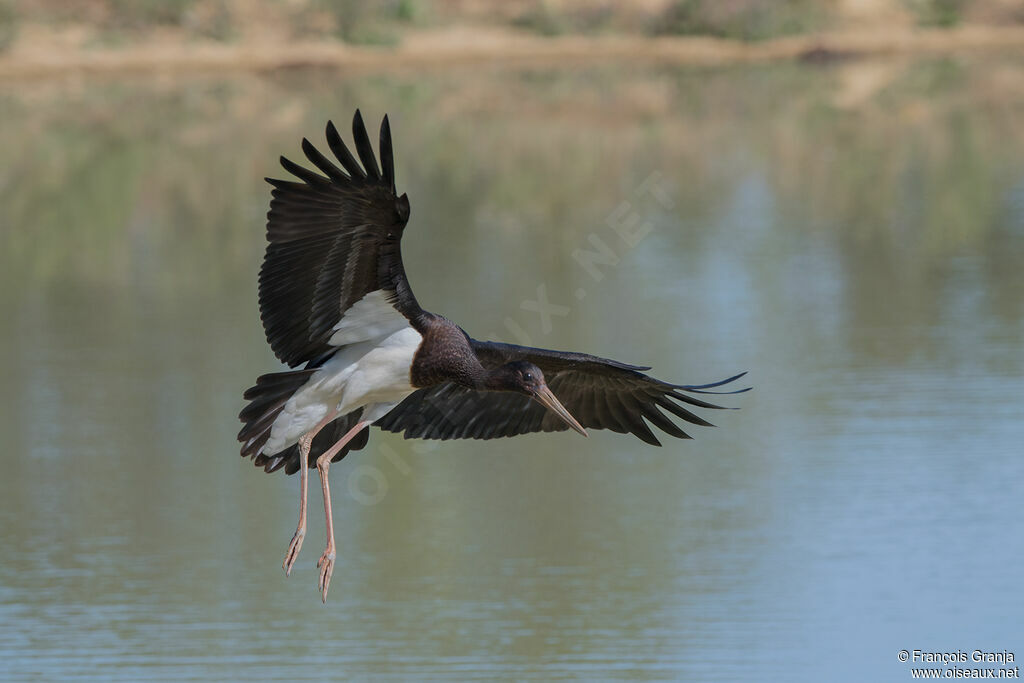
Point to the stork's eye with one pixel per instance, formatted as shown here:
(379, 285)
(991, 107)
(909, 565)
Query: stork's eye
(528, 377)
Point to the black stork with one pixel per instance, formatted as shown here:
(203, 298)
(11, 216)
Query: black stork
(334, 298)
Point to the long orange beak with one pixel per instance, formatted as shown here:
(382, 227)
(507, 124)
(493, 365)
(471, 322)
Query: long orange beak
(548, 400)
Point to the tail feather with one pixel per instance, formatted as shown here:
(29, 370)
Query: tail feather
(267, 399)
(328, 436)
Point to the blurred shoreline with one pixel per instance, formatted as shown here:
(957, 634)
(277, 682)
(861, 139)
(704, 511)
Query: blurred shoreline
(472, 45)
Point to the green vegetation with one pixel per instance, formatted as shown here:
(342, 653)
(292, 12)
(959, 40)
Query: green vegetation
(945, 13)
(8, 24)
(197, 18)
(142, 13)
(361, 23)
(541, 19)
(410, 11)
(547, 20)
(740, 20)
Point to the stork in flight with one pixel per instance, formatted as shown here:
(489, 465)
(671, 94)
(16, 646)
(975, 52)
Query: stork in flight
(334, 299)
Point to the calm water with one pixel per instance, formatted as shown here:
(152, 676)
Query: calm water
(852, 235)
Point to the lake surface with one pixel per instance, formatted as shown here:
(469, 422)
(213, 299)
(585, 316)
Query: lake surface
(852, 235)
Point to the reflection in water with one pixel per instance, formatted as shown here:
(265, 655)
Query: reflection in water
(852, 235)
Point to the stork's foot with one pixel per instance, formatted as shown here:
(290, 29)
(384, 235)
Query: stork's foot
(326, 566)
(293, 551)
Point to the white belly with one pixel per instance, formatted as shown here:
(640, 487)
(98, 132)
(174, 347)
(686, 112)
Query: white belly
(372, 374)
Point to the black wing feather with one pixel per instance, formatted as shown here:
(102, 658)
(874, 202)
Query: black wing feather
(332, 239)
(323, 163)
(340, 150)
(307, 176)
(364, 148)
(387, 157)
(599, 392)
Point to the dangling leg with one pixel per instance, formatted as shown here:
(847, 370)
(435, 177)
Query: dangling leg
(305, 443)
(323, 464)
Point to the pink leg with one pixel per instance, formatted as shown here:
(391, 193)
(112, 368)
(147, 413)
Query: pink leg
(323, 464)
(305, 443)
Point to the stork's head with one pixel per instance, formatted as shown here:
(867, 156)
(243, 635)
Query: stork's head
(526, 378)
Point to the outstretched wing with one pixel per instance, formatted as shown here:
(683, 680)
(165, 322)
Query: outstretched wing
(333, 243)
(600, 393)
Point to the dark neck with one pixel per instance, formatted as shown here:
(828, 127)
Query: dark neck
(466, 371)
(445, 355)
(483, 379)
